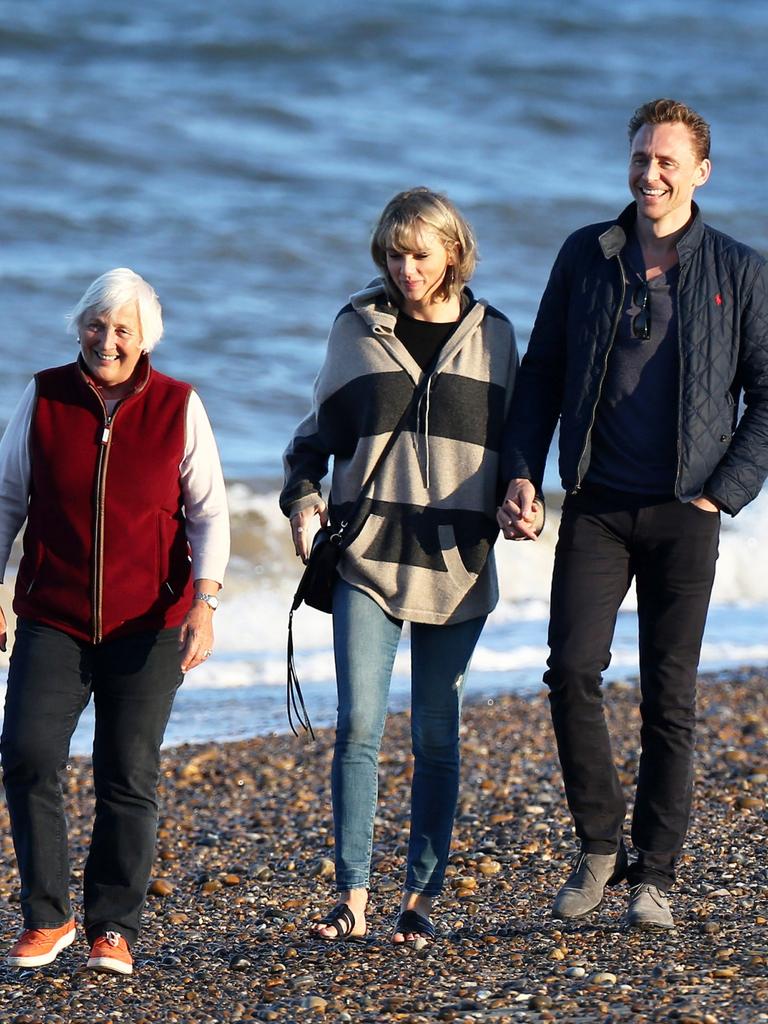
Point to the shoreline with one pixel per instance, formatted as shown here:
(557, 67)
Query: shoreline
(243, 862)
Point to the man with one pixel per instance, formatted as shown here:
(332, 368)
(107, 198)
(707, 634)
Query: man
(649, 331)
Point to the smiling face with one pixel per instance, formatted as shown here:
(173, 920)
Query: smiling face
(111, 345)
(664, 172)
(419, 272)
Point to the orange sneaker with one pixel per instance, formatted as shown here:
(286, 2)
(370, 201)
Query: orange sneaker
(38, 946)
(110, 953)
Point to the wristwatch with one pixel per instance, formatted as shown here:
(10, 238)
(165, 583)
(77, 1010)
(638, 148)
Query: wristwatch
(210, 599)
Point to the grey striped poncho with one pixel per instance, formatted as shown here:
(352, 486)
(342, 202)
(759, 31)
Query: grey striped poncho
(425, 550)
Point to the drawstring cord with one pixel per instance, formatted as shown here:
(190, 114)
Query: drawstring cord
(426, 398)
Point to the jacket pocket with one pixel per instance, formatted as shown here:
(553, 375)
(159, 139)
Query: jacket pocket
(452, 557)
(362, 543)
(727, 420)
(173, 565)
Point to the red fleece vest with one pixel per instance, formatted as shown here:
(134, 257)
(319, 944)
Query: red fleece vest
(105, 549)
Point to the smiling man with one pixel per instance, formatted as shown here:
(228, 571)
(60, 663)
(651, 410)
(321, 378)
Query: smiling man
(651, 329)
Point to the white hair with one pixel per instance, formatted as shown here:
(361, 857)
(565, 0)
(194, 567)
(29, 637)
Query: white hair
(113, 290)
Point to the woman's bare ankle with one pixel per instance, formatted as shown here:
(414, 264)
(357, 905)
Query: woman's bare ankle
(357, 901)
(417, 901)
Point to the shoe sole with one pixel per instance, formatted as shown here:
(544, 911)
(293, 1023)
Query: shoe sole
(42, 958)
(106, 965)
(649, 926)
(558, 916)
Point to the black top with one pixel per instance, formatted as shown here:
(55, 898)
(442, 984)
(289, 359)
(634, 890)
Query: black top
(634, 441)
(422, 338)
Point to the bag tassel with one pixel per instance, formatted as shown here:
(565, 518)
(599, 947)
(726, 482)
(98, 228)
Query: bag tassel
(294, 698)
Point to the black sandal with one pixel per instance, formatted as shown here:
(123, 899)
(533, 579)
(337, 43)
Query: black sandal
(409, 922)
(343, 920)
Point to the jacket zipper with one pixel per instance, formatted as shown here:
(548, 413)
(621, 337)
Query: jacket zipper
(679, 390)
(617, 318)
(105, 442)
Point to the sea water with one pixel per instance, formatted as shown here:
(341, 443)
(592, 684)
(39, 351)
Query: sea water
(237, 156)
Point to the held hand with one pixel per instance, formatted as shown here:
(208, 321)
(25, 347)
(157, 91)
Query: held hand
(705, 504)
(302, 540)
(196, 636)
(516, 515)
(3, 632)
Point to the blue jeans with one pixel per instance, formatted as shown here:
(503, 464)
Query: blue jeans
(365, 643)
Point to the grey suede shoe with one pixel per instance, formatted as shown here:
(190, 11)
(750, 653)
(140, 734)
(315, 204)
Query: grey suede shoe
(648, 908)
(583, 889)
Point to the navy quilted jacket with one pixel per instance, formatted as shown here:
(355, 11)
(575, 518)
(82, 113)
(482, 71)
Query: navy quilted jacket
(723, 339)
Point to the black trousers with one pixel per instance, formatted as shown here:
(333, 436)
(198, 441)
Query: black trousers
(606, 539)
(51, 678)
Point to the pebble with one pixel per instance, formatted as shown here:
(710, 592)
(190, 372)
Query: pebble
(240, 963)
(539, 1003)
(324, 868)
(316, 1003)
(160, 887)
(602, 978)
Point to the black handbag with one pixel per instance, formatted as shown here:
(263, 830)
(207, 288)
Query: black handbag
(317, 582)
(321, 571)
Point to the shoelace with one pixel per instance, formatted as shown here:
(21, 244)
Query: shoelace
(113, 938)
(581, 861)
(653, 891)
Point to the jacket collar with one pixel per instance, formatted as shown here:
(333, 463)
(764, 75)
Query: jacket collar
(143, 367)
(613, 240)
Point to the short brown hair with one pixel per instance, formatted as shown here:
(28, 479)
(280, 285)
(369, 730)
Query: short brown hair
(666, 111)
(400, 223)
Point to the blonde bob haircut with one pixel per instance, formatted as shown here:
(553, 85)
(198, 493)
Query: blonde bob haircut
(114, 289)
(401, 225)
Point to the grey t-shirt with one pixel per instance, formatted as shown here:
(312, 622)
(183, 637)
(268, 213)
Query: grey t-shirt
(634, 439)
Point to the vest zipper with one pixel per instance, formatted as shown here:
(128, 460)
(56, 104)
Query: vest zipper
(105, 442)
(616, 320)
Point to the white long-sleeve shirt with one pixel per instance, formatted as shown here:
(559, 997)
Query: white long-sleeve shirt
(202, 487)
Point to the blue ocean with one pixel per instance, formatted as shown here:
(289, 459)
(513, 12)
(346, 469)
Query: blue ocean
(237, 155)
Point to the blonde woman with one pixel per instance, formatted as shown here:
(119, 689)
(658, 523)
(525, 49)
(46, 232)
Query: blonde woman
(424, 553)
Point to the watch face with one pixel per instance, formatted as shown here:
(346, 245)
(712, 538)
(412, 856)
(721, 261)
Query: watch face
(210, 600)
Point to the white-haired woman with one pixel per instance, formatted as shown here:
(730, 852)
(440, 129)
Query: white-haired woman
(114, 469)
(424, 554)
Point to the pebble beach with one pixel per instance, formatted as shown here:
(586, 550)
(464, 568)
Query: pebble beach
(243, 863)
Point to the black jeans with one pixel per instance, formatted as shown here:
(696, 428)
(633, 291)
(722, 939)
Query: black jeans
(670, 549)
(51, 678)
